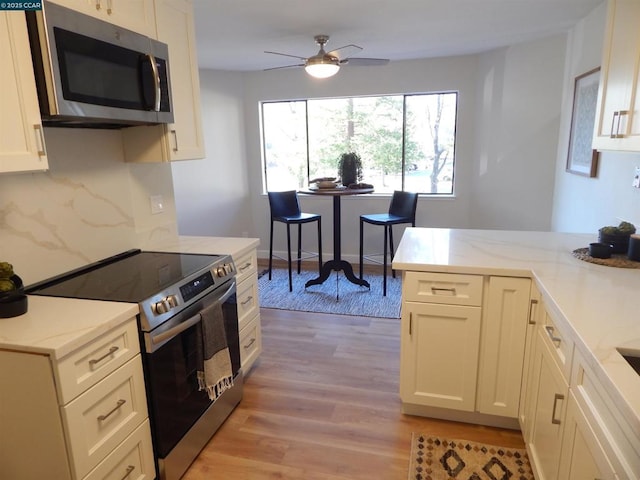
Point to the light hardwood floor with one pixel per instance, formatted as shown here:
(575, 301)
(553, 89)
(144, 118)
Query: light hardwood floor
(322, 404)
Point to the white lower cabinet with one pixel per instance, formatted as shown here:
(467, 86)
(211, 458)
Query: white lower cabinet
(83, 416)
(439, 361)
(462, 344)
(583, 457)
(248, 308)
(549, 399)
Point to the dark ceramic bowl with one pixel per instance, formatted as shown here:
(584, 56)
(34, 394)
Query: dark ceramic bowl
(15, 302)
(600, 250)
(619, 243)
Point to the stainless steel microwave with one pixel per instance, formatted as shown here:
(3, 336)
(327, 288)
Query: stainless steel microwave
(91, 73)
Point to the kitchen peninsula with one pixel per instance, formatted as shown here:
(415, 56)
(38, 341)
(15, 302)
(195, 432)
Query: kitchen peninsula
(574, 391)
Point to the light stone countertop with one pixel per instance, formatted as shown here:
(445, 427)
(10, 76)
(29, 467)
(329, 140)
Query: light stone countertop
(600, 305)
(58, 326)
(234, 246)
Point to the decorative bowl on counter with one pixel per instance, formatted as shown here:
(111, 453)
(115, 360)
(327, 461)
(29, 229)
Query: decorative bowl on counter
(13, 302)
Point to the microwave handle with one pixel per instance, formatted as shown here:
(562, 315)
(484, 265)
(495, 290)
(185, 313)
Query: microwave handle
(156, 81)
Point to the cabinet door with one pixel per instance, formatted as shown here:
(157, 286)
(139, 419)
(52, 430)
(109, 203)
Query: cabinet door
(504, 331)
(617, 126)
(181, 140)
(439, 355)
(21, 138)
(550, 396)
(175, 27)
(136, 15)
(525, 413)
(583, 458)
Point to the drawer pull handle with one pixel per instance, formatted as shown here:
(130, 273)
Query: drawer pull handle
(556, 340)
(40, 140)
(556, 397)
(245, 266)
(128, 471)
(436, 290)
(249, 298)
(613, 123)
(120, 403)
(248, 345)
(175, 139)
(410, 323)
(111, 351)
(532, 305)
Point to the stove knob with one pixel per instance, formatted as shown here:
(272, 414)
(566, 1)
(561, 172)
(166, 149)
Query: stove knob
(161, 307)
(172, 300)
(229, 268)
(220, 272)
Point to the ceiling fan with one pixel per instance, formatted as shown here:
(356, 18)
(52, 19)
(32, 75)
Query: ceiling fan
(324, 65)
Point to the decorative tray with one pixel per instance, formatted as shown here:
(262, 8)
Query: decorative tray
(618, 260)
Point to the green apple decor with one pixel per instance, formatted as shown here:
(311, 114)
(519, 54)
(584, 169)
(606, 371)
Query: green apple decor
(13, 301)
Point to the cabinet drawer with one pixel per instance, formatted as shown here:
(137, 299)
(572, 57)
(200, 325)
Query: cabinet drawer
(250, 343)
(131, 460)
(102, 417)
(559, 344)
(247, 297)
(88, 365)
(246, 265)
(451, 289)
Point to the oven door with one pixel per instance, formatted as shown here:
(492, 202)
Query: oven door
(171, 366)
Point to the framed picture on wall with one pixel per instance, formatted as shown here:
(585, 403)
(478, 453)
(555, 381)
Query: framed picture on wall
(582, 159)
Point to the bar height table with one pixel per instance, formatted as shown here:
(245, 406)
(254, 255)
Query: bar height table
(337, 263)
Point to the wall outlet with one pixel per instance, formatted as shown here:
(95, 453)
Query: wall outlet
(157, 204)
(636, 178)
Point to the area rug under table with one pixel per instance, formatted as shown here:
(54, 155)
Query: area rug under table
(434, 458)
(351, 299)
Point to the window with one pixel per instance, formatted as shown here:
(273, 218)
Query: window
(406, 142)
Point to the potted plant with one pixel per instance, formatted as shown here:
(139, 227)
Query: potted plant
(350, 168)
(13, 301)
(617, 237)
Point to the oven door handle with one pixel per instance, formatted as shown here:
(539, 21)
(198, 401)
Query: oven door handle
(181, 327)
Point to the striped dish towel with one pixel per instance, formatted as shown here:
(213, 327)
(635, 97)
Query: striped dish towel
(214, 362)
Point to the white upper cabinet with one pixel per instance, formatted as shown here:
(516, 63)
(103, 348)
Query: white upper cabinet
(183, 139)
(22, 146)
(136, 15)
(617, 123)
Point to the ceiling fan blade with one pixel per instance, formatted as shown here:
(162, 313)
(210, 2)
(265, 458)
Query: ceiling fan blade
(286, 66)
(286, 55)
(364, 62)
(345, 52)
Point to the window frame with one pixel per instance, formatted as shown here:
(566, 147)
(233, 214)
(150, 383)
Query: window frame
(403, 162)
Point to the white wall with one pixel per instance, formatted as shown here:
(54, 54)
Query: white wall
(212, 195)
(583, 204)
(519, 95)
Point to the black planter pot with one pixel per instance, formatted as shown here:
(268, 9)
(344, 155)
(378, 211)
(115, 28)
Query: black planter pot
(13, 303)
(619, 243)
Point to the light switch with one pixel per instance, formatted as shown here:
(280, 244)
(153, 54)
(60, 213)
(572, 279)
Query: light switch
(157, 204)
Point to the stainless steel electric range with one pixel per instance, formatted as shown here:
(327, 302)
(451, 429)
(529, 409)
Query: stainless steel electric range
(171, 289)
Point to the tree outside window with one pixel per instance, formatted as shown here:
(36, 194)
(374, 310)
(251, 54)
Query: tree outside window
(406, 141)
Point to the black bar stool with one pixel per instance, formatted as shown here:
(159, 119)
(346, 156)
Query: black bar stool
(285, 208)
(402, 210)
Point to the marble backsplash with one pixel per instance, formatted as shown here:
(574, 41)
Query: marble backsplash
(89, 205)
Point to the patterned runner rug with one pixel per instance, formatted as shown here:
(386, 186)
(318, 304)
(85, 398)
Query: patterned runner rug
(434, 458)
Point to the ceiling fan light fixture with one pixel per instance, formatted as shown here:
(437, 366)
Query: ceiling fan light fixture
(322, 66)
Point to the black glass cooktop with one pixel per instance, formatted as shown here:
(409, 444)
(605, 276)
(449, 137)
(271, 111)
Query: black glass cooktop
(129, 277)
